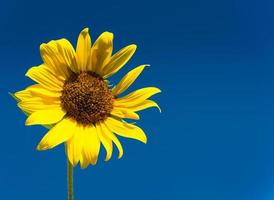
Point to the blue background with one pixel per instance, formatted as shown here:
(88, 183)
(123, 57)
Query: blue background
(213, 61)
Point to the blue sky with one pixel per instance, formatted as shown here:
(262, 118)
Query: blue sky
(213, 61)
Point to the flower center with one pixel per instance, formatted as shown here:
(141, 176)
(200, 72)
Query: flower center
(86, 98)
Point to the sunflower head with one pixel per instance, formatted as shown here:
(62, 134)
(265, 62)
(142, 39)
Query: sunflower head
(72, 97)
(87, 98)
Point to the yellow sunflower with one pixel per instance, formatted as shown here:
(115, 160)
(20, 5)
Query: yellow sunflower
(73, 98)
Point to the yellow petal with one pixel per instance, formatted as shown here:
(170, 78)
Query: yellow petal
(83, 50)
(101, 51)
(118, 60)
(74, 146)
(83, 162)
(23, 94)
(39, 90)
(141, 106)
(106, 141)
(60, 133)
(126, 130)
(127, 80)
(69, 56)
(59, 56)
(109, 134)
(137, 97)
(43, 76)
(91, 145)
(35, 104)
(124, 113)
(45, 117)
(14, 97)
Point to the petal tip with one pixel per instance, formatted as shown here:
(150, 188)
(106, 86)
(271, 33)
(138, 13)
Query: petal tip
(107, 33)
(41, 147)
(85, 30)
(158, 90)
(107, 37)
(13, 95)
(42, 46)
(145, 141)
(107, 159)
(27, 73)
(133, 46)
(73, 162)
(93, 163)
(160, 110)
(28, 122)
(84, 166)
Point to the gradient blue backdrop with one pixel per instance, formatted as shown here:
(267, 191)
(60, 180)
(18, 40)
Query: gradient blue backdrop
(213, 61)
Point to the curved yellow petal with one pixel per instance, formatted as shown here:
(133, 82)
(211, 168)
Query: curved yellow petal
(112, 136)
(126, 130)
(101, 52)
(59, 56)
(137, 107)
(52, 59)
(83, 50)
(23, 94)
(39, 90)
(83, 162)
(91, 145)
(118, 60)
(127, 80)
(69, 56)
(137, 97)
(106, 141)
(27, 113)
(33, 104)
(60, 133)
(124, 113)
(45, 117)
(74, 146)
(43, 76)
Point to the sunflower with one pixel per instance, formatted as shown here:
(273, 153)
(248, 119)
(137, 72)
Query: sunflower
(73, 98)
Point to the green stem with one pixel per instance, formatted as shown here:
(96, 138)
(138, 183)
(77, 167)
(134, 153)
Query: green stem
(70, 180)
